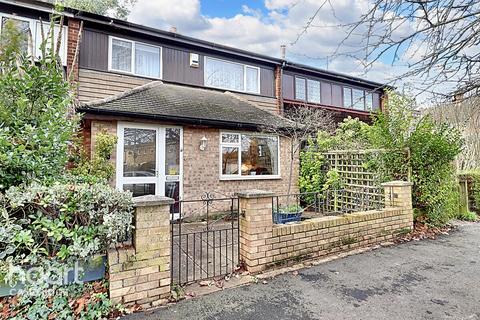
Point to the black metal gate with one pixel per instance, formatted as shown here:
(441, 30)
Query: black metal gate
(205, 239)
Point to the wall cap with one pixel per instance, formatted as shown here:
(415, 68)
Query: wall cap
(255, 193)
(397, 183)
(152, 200)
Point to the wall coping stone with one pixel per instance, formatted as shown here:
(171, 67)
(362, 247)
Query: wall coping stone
(152, 200)
(255, 193)
(397, 183)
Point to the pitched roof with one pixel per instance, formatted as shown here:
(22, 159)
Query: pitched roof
(187, 105)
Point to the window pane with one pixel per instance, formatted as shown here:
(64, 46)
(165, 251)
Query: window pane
(252, 80)
(172, 148)
(376, 101)
(368, 101)
(300, 89)
(47, 30)
(224, 74)
(172, 190)
(259, 155)
(347, 97)
(121, 55)
(358, 99)
(230, 138)
(313, 91)
(326, 89)
(139, 153)
(147, 60)
(229, 160)
(142, 189)
(23, 27)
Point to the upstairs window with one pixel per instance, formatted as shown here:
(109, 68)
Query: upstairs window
(31, 27)
(135, 58)
(231, 76)
(300, 87)
(347, 97)
(313, 91)
(23, 26)
(358, 99)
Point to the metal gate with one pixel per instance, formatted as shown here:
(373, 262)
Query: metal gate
(204, 239)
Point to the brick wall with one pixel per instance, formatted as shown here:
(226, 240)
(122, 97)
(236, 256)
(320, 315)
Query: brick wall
(72, 41)
(140, 274)
(278, 88)
(201, 168)
(263, 244)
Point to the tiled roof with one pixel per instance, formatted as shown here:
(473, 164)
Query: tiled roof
(185, 104)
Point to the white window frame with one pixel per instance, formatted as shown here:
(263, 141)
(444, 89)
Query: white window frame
(308, 91)
(161, 176)
(133, 71)
(245, 66)
(33, 29)
(238, 145)
(305, 91)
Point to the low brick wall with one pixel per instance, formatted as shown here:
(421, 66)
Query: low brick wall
(327, 235)
(263, 244)
(140, 274)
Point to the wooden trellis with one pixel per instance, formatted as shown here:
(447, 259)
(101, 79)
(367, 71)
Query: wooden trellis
(361, 185)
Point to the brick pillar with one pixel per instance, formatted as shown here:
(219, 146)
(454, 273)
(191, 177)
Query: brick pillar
(278, 88)
(255, 228)
(72, 42)
(398, 194)
(141, 274)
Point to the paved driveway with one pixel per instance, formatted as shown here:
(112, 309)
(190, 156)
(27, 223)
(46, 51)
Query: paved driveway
(419, 280)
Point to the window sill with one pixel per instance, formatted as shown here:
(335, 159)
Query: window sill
(233, 178)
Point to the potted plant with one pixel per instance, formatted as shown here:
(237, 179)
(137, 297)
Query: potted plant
(289, 213)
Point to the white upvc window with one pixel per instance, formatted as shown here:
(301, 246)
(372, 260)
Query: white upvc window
(229, 75)
(34, 26)
(249, 156)
(134, 57)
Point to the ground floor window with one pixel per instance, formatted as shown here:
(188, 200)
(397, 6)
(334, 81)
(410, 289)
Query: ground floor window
(249, 155)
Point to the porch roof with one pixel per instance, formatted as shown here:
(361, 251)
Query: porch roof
(185, 105)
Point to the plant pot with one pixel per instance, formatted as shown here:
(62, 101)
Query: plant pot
(281, 217)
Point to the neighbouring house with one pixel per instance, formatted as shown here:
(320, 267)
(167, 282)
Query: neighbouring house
(189, 113)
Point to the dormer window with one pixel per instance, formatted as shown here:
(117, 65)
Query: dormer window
(228, 75)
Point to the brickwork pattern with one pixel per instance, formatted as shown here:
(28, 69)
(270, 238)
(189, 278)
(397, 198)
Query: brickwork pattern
(263, 244)
(141, 274)
(201, 168)
(72, 41)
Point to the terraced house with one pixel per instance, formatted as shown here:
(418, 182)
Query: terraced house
(188, 113)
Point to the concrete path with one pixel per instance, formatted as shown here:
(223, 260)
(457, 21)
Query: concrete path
(437, 279)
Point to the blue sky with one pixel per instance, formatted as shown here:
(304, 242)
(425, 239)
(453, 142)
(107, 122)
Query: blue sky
(262, 26)
(228, 8)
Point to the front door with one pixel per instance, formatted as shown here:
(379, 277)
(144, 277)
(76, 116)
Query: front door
(149, 160)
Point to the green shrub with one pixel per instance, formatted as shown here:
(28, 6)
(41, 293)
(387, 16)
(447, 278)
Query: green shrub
(418, 148)
(35, 129)
(61, 222)
(467, 216)
(98, 168)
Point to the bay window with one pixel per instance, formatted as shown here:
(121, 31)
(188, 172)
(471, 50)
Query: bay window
(231, 76)
(245, 155)
(134, 57)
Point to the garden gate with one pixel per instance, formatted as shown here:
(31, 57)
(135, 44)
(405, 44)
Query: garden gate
(204, 239)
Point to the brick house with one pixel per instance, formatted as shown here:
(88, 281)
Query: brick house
(188, 113)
